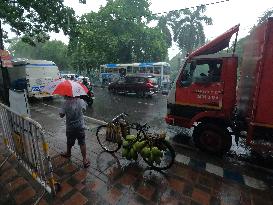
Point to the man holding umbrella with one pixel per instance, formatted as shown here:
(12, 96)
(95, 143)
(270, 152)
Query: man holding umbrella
(72, 108)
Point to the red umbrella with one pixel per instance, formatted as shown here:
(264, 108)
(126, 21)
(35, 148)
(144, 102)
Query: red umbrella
(66, 88)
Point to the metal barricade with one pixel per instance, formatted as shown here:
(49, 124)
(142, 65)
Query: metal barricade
(25, 139)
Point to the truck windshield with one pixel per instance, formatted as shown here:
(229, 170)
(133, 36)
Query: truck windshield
(201, 71)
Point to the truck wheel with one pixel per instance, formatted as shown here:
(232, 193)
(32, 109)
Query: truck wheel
(212, 138)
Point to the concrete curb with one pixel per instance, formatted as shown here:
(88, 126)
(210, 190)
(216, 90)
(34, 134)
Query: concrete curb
(221, 172)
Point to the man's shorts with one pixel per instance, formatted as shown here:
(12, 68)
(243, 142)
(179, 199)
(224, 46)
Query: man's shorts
(74, 134)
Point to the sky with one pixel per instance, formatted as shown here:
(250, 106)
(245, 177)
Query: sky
(224, 15)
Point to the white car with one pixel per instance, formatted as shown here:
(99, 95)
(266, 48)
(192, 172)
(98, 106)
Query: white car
(80, 78)
(68, 76)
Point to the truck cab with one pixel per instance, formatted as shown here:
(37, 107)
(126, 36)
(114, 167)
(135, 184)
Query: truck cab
(205, 93)
(206, 96)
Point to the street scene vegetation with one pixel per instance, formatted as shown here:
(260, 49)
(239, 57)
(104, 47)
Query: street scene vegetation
(111, 35)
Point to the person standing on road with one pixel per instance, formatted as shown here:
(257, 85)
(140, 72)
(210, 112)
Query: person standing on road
(73, 108)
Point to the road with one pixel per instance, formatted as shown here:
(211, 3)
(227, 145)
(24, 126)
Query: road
(106, 106)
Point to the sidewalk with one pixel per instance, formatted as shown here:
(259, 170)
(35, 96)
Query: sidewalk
(113, 180)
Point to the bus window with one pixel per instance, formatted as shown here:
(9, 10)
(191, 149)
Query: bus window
(141, 70)
(157, 70)
(166, 70)
(115, 70)
(148, 70)
(151, 70)
(135, 69)
(129, 69)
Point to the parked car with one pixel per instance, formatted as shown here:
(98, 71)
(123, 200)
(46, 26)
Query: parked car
(142, 85)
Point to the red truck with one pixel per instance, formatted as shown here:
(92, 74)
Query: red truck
(209, 96)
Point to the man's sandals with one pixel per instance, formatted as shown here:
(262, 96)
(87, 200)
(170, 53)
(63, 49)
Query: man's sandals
(67, 156)
(86, 164)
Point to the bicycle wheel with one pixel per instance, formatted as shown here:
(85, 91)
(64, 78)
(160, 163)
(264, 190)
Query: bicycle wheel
(167, 158)
(108, 144)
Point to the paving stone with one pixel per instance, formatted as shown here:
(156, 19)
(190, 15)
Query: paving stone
(188, 189)
(8, 175)
(79, 186)
(214, 201)
(169, 198)
(12, 186)
(25, 195)
(200, 196)
(65, 189)
(169, 201)
(180, 171)
(76, 199)
(95, 185)
(245, 198)
(192, 176)
(127, 180)
(6, 166)
(42, 202)
(72, 181)
(260, 200)
(80, 176)
(69, 168)
(122, 188)
(112, 173)
(113, 196)
(229, 194)
(176, 184)
(91, 195)
(146, 191)
(59, 161)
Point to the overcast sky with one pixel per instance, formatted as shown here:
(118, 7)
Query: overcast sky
(224, 15)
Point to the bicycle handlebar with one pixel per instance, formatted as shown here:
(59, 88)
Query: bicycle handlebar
(138, 126)
(121, 115)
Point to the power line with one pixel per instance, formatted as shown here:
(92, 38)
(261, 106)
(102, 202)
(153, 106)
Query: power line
(165, 12)
(191, 7)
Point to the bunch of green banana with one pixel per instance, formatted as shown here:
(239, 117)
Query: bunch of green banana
(131, 147)
(152, 154)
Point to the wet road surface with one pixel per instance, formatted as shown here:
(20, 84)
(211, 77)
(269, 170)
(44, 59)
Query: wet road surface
(106, 106)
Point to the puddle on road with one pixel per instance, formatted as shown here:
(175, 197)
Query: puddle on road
(238, 155)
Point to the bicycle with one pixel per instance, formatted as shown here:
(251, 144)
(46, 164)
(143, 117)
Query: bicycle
(112, 135)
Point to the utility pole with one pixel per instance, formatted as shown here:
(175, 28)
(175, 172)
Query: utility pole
(5, 74)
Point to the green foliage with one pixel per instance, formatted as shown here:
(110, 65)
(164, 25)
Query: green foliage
(265, 16)
(55, 51)
(36, 17)
(118, 33)
(187, 26)
(175, 64)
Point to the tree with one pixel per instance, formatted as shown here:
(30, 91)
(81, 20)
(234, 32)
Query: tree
(55, 51)
(164, 29)
(36, 17)
(118, 33)
(266, 15)
(187, 27)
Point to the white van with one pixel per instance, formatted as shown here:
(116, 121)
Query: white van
(33, 75)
